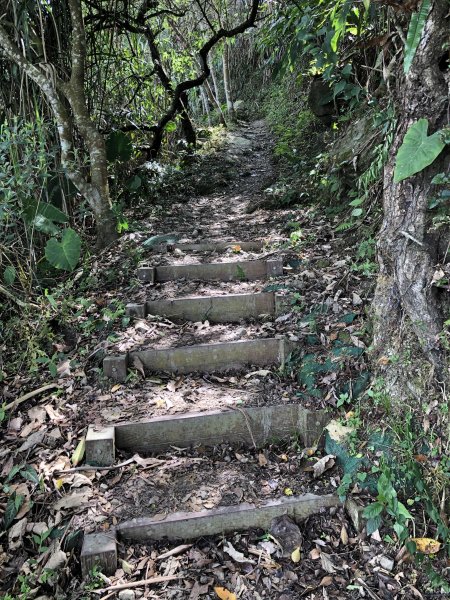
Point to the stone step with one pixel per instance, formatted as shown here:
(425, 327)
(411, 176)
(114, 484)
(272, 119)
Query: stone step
(204, 358)
(101, 548)
(248, 426)
(231, 308)
(249, 270)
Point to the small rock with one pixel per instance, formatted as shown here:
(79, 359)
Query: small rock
(287, 533)
(178, 252)
(386, 563)
(127, 595)
(241, 332)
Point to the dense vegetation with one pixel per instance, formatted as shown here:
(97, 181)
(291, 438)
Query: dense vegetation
(107, 107)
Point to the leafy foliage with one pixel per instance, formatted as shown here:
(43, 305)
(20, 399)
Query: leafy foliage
(417, 151)
(66, 253)
(415, 29)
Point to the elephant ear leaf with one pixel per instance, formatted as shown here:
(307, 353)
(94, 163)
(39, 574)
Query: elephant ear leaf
(417, 151)
(415, 29)
(64, 254)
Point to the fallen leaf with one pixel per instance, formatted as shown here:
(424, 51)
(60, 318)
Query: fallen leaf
(261, 373)
(327, 564)
(314, 554)
(73, 500)
(262, 460)
(323, 464)
(288, 492)
(327, 580)
(344, 535)
(237, 556)
(116, 387)
(427, 545)
(236, 248)
(296, 555)
(224, 594)
(78, 455)
(127, 567)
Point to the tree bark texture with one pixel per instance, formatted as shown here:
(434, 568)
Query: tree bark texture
(227, 81)
(407, 311)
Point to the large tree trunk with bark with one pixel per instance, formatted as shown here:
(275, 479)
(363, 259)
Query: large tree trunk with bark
(408, 314)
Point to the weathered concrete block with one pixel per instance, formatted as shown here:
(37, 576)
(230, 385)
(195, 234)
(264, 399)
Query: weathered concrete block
(115, 367)
(100, 446)
(217, 309)
(282, 305)
(267, 423)
(146, 274)
(184, 525)
(212, 357)
(135, 310)
(100, 550)
(274, 267)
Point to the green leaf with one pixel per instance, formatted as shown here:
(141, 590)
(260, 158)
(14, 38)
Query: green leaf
(118, 147)
(13, 506)
(373, 510)
(78, 455)
(9, 275)
(373, 524)
(417, 151)
(66, 253)
(403, 511)
(415, 29)
(44, 225)
(30, 473)
(48, 211)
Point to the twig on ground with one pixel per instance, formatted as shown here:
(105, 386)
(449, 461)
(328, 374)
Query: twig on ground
(25, 397)
(133, 584)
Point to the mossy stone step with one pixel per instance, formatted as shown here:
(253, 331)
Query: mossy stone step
(204, 358)
(231, 308)
(250, 270)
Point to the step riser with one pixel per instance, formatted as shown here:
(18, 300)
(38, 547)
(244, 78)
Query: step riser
(216, 309)
(188, 526)
(205, 358)
(266, 424)
(234, 271)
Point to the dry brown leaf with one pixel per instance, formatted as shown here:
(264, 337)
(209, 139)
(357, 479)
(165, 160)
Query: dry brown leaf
(327, 580)
(322, 465)
(224, 594)
(262, 460)
(314, 554)
(344, 535)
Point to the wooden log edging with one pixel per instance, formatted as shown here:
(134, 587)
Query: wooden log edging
(201, 357)
(191, 525)
(250, 270)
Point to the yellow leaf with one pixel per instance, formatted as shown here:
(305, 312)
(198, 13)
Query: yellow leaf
(127, 567)
(296, 556)
(78, 455)
(115, 388)
(224, 594)
(288, 492)
(59, 483)
(284, 457)
(427, 545)
(236, 248)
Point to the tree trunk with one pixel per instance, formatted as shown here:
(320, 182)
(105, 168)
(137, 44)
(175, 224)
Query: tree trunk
(407, 312)
(186, 124)
(227, 81)
(213, 99)
(57, 92)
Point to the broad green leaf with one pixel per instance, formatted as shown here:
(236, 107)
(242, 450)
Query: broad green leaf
(13, 506)
(44, 225)
(417, 151)
(118, 147)
(66, 253)
(403, 511)
(373, 510)
(415, 29)
(48, 211)
(30, 473)
(9, 275)
(373, 524)
(78, 455)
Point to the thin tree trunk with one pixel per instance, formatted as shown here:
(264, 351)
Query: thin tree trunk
(215, 102)
(186, 124)
(408, 318)
(227, 81)
(205, 104)
(57, 93)
(214, 79)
